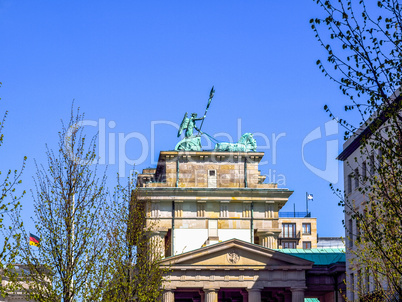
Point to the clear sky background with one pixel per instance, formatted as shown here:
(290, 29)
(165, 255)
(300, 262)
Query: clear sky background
(137, 63)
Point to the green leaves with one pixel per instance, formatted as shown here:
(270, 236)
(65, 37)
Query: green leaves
(362, 44)
(70, 204)
(366, 41)
(9, 220)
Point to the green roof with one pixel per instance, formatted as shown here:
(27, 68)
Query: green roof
(311, 300)
(318, 256)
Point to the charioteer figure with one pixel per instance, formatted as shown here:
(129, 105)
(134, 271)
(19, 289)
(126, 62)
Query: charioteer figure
(188, 125)
(192, 142)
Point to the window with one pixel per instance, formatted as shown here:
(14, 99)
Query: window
(356, 175)
(307, 245)
(367, 275)
(380, 159)
(358, 231)
(350, 230)
(224, 210)
(377, 284)
(200, 209)
(306, 228)
(372, 164)
(349, 183)
(289, 230)
(288, 245)
(352, 285)
(364, 170)
(211, 178)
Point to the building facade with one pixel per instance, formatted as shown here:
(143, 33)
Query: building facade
(222, 234)
(298, 233)
(17, 295)
(353, 163)
(199, 198)
(361, 162)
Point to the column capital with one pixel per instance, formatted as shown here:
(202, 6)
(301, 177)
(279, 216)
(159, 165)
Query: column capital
(268, 232)
(157, 233)
(211, 294)
(169, 288)
(168, 295)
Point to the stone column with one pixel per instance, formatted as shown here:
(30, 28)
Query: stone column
(254, 294)
(211, 294)
(268, 238)
(271, 241)
(168, 295)
(157, 242)
(297, 294)
(263, 239)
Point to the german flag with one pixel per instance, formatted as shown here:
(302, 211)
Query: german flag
(33, 240)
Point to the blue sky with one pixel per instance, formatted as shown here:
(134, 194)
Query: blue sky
(137, 63)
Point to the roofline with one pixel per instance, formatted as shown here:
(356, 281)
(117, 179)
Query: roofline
(191, 193)
(254, 156)
(256, 247)
(368, 131)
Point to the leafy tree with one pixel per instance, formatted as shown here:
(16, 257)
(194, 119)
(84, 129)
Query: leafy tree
(70, 203)
(9, 206)
(363, 44)
(91, 248)
(136, 275)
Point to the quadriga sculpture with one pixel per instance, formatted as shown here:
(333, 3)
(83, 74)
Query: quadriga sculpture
(246, 143)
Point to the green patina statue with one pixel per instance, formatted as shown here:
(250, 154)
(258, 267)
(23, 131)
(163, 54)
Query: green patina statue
(246, 143)
(188, 125)
(192, 142)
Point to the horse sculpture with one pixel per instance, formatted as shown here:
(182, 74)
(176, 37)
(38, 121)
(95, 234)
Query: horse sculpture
(246, 143)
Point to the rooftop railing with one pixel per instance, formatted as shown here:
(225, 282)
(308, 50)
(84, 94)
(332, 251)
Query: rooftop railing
(294, 214)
